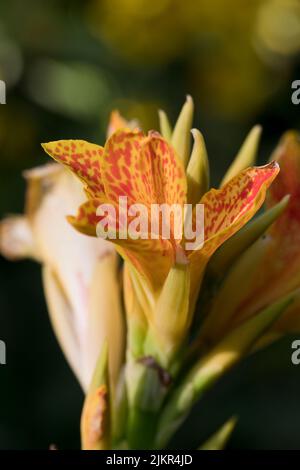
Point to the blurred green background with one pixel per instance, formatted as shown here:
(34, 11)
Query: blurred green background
(67, 64)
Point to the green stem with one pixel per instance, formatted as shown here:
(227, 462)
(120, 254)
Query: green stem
(141, 429)
(146, 392)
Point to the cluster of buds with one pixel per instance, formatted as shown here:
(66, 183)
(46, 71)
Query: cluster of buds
(148, 336)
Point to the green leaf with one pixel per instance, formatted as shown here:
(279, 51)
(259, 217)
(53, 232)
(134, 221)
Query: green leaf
(220, 438)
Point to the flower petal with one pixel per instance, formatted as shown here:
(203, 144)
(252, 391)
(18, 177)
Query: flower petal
(82, 158)
(226, 210)
(276, 257)
(16, 239)
(105, 317)
(145, 169)
(123, 167)
(71, 262)
(86, 219)
(63, 322)
(152, 258)
(271, 264)
(116, 121)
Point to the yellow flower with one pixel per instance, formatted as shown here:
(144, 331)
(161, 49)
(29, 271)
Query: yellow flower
(171, 356)
(147, 170)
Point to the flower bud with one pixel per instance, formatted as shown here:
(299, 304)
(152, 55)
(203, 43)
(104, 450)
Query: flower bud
(165, 126)
(181, 139)
(95, 418)
(197, 172)
(172, 316)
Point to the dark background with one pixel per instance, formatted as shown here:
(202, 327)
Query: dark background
(67, 64)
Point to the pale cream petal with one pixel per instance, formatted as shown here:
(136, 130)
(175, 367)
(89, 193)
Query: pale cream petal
(72, 256)
(61, 318)
(71, 264)
(16, 240)
(105, 317)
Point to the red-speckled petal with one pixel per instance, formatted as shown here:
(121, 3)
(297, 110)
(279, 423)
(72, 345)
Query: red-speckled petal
(151, 258)
(145, 169)
(125, 173)
(228, 209)
(277, 256)
(82, 158)
(86, 219)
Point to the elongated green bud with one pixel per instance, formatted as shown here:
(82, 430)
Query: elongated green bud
(181, 138)
(246, 156)
(171, 315)
(164, 125)
(135, 308)
(197, 172)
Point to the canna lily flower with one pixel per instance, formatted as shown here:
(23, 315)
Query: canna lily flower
(157, 177)
(147, 170)
(177, 342)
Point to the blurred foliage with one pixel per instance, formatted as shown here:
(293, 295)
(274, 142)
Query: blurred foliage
(67, 64)
(231, 48)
